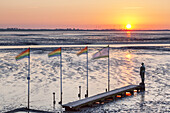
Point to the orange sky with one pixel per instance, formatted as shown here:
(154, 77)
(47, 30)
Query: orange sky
(100, 14)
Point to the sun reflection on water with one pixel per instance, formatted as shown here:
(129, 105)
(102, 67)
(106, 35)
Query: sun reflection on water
(128, 56)
(127, 68)
(128, 34)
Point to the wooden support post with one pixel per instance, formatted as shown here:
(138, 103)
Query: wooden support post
(132, 92)
(124, 94)
(54, 102)
(79, 95)
(114, 97)
(138, 90)
(142, 86)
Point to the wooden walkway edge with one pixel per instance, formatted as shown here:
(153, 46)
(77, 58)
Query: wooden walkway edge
(76, 105)
(25, 110)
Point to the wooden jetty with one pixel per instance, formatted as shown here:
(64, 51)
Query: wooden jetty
(76, 105)
(26, 110)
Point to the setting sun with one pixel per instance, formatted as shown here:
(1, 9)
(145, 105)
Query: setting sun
(128, 26)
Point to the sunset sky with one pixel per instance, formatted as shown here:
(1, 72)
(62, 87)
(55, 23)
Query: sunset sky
(87, 14)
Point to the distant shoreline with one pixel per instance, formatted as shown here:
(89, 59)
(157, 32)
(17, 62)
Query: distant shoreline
(73, 29)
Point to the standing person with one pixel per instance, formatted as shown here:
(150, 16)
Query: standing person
(142, 73)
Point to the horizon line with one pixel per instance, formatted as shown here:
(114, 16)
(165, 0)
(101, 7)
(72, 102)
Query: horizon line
(76, 29)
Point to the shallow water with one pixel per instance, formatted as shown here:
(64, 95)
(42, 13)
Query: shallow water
(82, 37)
(124, 70)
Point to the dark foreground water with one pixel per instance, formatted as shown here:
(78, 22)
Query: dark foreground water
(124, 70)
(83, 37)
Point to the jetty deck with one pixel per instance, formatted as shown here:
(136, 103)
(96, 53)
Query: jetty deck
(25, 110)
(76, 105)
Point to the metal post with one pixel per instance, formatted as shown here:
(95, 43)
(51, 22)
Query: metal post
(61, 76)
(28, 78)
(79, 95)
(108, 71)
(87, 75)
(54, 102)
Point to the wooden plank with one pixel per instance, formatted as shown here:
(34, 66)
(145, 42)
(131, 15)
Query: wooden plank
(99, 97)
(25, 110)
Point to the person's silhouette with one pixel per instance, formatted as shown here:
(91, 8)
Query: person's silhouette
(142, 73)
